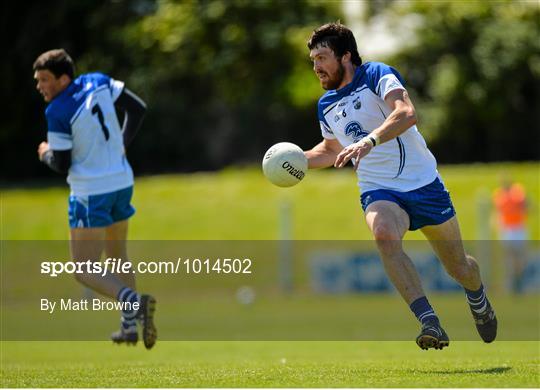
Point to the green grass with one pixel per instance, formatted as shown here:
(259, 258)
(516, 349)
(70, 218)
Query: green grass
(269, 364)
(214, 316)
(241, 204)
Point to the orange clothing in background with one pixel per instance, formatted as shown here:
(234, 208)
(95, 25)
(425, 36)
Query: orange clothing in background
(511, 206)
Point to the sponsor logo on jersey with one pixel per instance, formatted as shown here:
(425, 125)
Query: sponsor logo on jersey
(355, 130)
(343, 103)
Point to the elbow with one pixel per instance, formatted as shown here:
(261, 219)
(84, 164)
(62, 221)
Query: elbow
(410, 117)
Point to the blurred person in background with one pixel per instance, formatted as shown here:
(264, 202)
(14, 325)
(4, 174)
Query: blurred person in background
(510, 202)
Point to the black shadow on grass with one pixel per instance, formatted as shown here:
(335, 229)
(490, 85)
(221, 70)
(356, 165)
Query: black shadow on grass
(493, 370)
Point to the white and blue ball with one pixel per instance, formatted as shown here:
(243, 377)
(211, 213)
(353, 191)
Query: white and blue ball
(285, 164)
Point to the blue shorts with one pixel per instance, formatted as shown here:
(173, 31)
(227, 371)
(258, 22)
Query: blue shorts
(428, 205)
(100, 210)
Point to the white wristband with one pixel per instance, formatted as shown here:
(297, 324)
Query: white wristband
(373, 140)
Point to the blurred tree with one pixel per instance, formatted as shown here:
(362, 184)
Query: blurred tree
(87, 29)
(377, 7)
(225, 79)
(476, 70)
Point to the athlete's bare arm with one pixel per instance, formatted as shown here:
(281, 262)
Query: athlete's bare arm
(324, 154)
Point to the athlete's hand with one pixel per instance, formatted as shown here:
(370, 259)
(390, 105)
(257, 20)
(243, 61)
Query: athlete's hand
(42, 148)
(358, 150)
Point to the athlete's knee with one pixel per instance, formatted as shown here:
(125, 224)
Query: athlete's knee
(388, 241)
(384, 232)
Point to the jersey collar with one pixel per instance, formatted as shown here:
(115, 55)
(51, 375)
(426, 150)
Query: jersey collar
(347, 89)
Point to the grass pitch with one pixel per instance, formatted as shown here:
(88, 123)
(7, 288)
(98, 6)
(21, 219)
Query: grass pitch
(270, 364)
(241, 204)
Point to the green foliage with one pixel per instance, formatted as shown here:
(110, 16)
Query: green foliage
(227, 48)
(90, 30)
(217, 72)
(216, 75)
(224, 79)
(475, 69)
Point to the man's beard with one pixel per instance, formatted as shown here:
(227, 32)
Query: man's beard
(335, 81)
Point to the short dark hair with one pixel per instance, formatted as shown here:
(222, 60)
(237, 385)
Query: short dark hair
(57, 61)
(336, 37)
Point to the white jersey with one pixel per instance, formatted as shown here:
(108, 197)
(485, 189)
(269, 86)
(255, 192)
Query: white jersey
(83, 118)
(352, 112)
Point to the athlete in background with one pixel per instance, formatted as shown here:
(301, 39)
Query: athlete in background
(85, 140)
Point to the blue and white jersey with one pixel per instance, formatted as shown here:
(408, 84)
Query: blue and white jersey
(354, 111)
(83, 118)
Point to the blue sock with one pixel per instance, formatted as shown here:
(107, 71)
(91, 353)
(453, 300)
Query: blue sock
(477, 300)
(128, 326)
(128, 320)
(423, 311)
